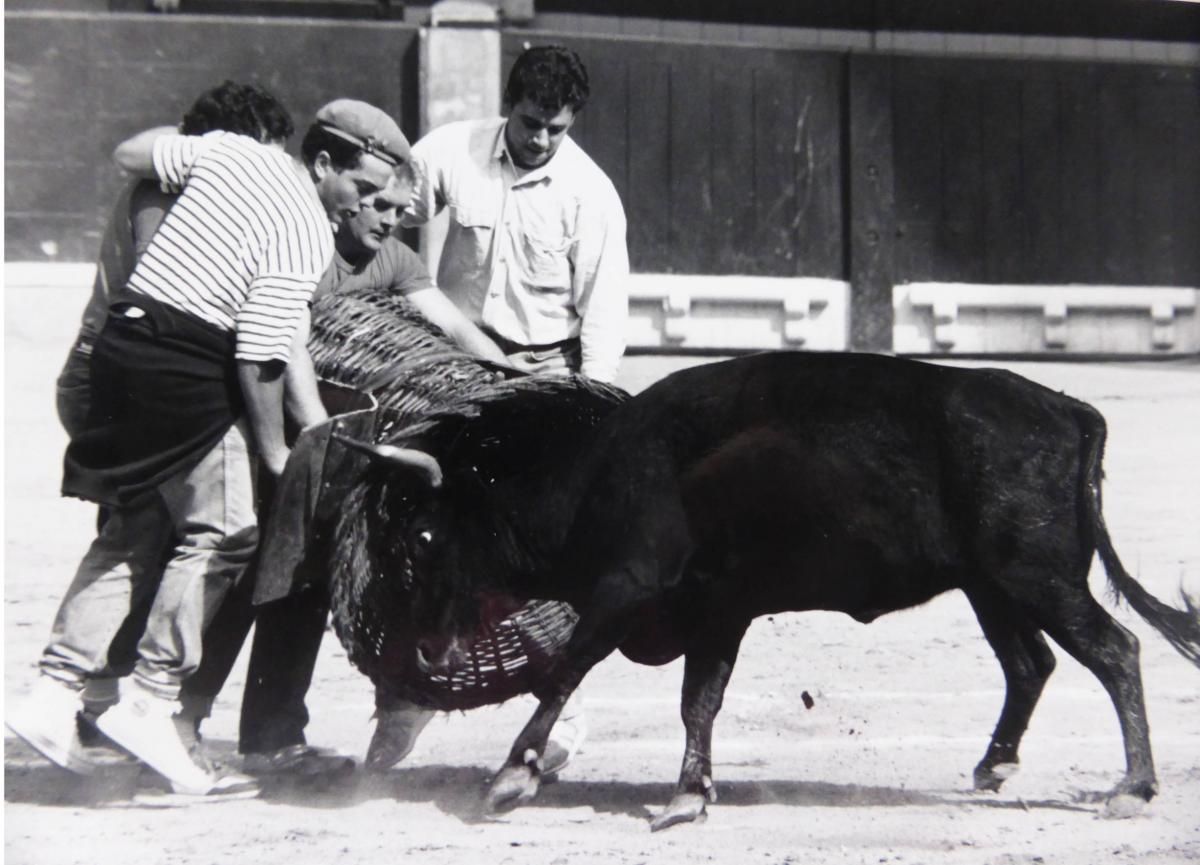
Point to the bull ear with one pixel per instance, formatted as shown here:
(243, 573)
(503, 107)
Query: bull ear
(407, 458)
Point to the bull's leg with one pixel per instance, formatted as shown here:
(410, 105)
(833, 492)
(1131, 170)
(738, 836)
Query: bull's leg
(1027, 663)
(706, 672)
(1085, 630)
(519, 778)
(602, 625)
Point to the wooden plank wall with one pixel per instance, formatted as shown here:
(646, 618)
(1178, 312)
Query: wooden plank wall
(735, 159)
(729, 159)
(76, 84)
(1046, 172)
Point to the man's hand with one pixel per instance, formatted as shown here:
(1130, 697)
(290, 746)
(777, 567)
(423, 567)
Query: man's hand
(441, 311)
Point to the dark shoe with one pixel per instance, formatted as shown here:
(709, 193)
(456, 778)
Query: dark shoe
(396, 732)
(297, 761)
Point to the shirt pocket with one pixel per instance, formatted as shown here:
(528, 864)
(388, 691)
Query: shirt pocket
(475, 225)
(474, 216)
(547, 259)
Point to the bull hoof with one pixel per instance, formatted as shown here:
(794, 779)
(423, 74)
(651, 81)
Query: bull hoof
(1128, 799)
(990, 778)
(1123, 806)
(513, 786)
(684, 808)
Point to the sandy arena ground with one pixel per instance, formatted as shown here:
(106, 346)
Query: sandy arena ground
(877, 771)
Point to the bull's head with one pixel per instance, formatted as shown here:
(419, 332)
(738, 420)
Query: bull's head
(449, 543)
(481, 495)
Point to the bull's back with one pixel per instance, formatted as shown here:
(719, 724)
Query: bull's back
(853, 482)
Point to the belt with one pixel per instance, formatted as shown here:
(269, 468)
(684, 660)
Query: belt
(509, 347)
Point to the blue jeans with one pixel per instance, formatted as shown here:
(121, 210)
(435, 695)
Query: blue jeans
(208, 512)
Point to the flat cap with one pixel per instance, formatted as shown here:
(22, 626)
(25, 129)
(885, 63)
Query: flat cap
(366, 126)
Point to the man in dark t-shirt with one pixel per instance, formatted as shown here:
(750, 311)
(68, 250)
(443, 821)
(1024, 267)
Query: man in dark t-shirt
(369, 255)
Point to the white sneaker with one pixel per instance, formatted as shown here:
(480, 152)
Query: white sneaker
(228, 784)
(172, 799)
(145, 725)
(46, 719)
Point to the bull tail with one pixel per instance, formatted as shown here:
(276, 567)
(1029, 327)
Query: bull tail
(1180, 627)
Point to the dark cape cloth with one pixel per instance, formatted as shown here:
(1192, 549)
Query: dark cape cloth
(308, 496)
(164, 392)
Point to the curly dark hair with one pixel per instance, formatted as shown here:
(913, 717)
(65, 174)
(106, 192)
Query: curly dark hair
(551, 76)
(246, 109)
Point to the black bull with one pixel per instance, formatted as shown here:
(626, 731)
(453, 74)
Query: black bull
(785, 481)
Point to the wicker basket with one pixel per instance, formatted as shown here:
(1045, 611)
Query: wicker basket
(376, 341)
(508, 657)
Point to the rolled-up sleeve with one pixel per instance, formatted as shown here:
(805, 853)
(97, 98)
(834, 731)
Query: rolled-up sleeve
(174, 155)
(267, 321)
(601, 284)
(424, 203)
(279, 294)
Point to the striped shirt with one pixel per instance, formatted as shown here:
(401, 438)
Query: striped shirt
(244, 245)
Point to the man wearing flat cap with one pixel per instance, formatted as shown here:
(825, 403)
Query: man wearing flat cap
(358, 160)
(351, 150)
(367, 252)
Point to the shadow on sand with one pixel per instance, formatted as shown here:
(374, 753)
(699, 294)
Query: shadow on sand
(459, 790)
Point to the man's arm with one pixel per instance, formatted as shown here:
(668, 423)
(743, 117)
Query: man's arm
(440, 310)
(302, 399)
(136, 155)
(262, 387)
(148, 206)
(427, 198)
(601, 286)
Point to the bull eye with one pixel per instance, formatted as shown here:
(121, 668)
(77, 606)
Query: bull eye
(422, 542)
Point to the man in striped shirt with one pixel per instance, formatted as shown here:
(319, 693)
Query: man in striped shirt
(188, 378)
(140, 208)
(136, 215)
(289, 622)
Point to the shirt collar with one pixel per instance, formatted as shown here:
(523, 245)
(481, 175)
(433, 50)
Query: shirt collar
(545, 172)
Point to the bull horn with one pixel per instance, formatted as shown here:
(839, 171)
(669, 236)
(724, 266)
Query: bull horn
(408, 458)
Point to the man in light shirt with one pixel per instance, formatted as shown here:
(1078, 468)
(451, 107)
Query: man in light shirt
(535, 253)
